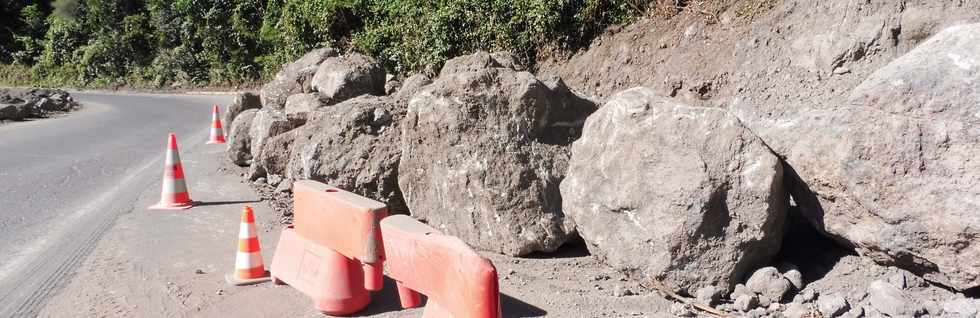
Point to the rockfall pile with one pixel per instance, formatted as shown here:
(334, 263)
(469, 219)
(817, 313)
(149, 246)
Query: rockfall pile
(696, 187)
(20, 104)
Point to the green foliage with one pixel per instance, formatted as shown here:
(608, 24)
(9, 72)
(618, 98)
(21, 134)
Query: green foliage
(231, 42)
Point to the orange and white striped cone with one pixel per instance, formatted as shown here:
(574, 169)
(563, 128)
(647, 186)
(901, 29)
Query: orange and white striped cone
(173, 195)
(248, 261)
(217, 134)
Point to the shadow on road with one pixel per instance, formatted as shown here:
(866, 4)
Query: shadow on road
(212, 203)
(386, 300)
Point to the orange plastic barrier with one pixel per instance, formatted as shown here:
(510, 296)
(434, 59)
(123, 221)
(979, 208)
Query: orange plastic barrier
(458, 281)
(333, 251)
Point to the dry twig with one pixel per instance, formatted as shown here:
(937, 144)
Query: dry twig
(669, 293)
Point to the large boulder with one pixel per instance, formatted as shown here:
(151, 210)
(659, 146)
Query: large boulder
(685, 195)
(267, 123)
(354, 145)
(243, 101)
(894, 174)
(347, 76)
(479, 159)
(294, 78)
(239, 140)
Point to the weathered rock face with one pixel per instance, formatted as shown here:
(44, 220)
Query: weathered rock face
(343, 77)
(299, 105)
(686, 195)
(239, 140)
(294, 78)
(353, 145)
(267, 123)
(478, 159)
(242, 102)
(894, 173)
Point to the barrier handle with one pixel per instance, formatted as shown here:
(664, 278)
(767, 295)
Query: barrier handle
(373, 276)
(408, 297)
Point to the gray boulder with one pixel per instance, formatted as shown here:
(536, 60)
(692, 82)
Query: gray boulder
(686, 195)
(293, 78)
(893, 174)
(299, 105)
(482, 158)
(354, 145)
(769, 284)
(831, 306)
(266, 124)
(347, 76)
(243, 101)
(239, 140)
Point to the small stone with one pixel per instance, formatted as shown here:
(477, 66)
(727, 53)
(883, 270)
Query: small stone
(792, 274)
(832, 305)
(198, 271)
(745, 303)
(599, 277)
(274, 179)
(725, 307)
(774, 307)
(260, 181)
(756, 313)
(708, 295)
(933, 308)
(620, 291)
(511, 272)
(739, 291)
(681, 310)
(963, 307)
(841, 70)
(805, 296)
(769, 284)
(220, 292)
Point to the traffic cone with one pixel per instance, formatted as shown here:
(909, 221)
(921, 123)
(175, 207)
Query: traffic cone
(248, 261)
(217, 134)
(174, 195)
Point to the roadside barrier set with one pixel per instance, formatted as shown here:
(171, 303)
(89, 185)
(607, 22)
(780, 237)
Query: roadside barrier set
(339, 241)
(336, 248)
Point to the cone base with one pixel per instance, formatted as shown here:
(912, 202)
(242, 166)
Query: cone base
(231, 279)
(215, 142)
(178, 206)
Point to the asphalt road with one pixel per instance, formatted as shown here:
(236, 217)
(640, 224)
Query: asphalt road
(65, 180)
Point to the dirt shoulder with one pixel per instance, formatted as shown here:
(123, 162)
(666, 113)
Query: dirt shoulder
(172, 264)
